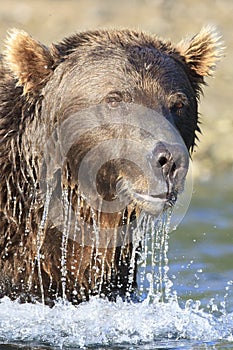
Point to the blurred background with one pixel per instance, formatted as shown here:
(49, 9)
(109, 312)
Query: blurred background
(51, 20)
(201, 249)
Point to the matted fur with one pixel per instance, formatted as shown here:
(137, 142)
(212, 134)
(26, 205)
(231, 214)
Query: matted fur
(38, 85)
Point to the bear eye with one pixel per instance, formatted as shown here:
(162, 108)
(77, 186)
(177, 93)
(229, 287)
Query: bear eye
(114, 99)
(177, 103)
(177, 108)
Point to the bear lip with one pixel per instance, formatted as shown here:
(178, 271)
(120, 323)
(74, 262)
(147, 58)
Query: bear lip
(154, 203)
(168, 199)
(151, 197)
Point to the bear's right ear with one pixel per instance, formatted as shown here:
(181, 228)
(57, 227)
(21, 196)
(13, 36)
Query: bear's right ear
(29, 61)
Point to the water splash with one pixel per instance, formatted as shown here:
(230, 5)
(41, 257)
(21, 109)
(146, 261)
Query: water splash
(100, 322)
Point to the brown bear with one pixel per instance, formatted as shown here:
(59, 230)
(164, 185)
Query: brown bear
(94, 131)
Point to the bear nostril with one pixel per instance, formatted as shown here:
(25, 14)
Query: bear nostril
(167, 164)
(173, 168)
(162, 161)
(170, 159)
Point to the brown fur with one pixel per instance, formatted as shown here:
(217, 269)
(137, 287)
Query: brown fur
(203, 51)
(39, 88)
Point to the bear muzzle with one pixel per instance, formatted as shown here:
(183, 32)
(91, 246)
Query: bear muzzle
(162, 180)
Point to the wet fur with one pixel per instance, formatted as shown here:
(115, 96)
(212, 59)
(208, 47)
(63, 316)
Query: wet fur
(32, 78)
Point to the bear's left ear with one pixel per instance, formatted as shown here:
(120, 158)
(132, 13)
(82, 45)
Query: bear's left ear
(29, 61)
(202, 52)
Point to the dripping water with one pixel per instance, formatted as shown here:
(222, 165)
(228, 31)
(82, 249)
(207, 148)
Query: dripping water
(102, 258)
(93, 254)
(153, 265)
(149, 248)
(77, 235)
(66, 200)
(40, 237)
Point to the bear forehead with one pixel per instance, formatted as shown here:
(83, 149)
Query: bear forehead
(141, 53)
(100, 67)
(116, 49)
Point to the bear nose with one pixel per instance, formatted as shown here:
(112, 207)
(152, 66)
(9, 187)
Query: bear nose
(172, 160)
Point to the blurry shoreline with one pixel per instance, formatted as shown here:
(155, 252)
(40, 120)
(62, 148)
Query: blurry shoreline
(51, 20)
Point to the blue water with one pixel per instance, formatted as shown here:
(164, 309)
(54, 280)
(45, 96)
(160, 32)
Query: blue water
(201, 250)
(198, 315)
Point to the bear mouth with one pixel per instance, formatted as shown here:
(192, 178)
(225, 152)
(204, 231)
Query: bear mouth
(155, 204)
(151, 203)
(168, 199)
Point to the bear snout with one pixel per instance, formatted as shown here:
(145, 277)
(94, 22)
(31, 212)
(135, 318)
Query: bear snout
(173, 160)
(165, 177)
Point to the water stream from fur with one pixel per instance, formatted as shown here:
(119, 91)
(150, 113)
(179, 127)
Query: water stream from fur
(39, 239)
(150, 233)
(155, 320)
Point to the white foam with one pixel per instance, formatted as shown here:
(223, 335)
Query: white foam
(102, 322)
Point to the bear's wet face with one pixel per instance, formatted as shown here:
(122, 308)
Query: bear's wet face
(133, 83)
(129, 163)
(95, 130)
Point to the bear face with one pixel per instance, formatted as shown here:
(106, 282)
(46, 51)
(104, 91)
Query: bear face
(94, 131)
